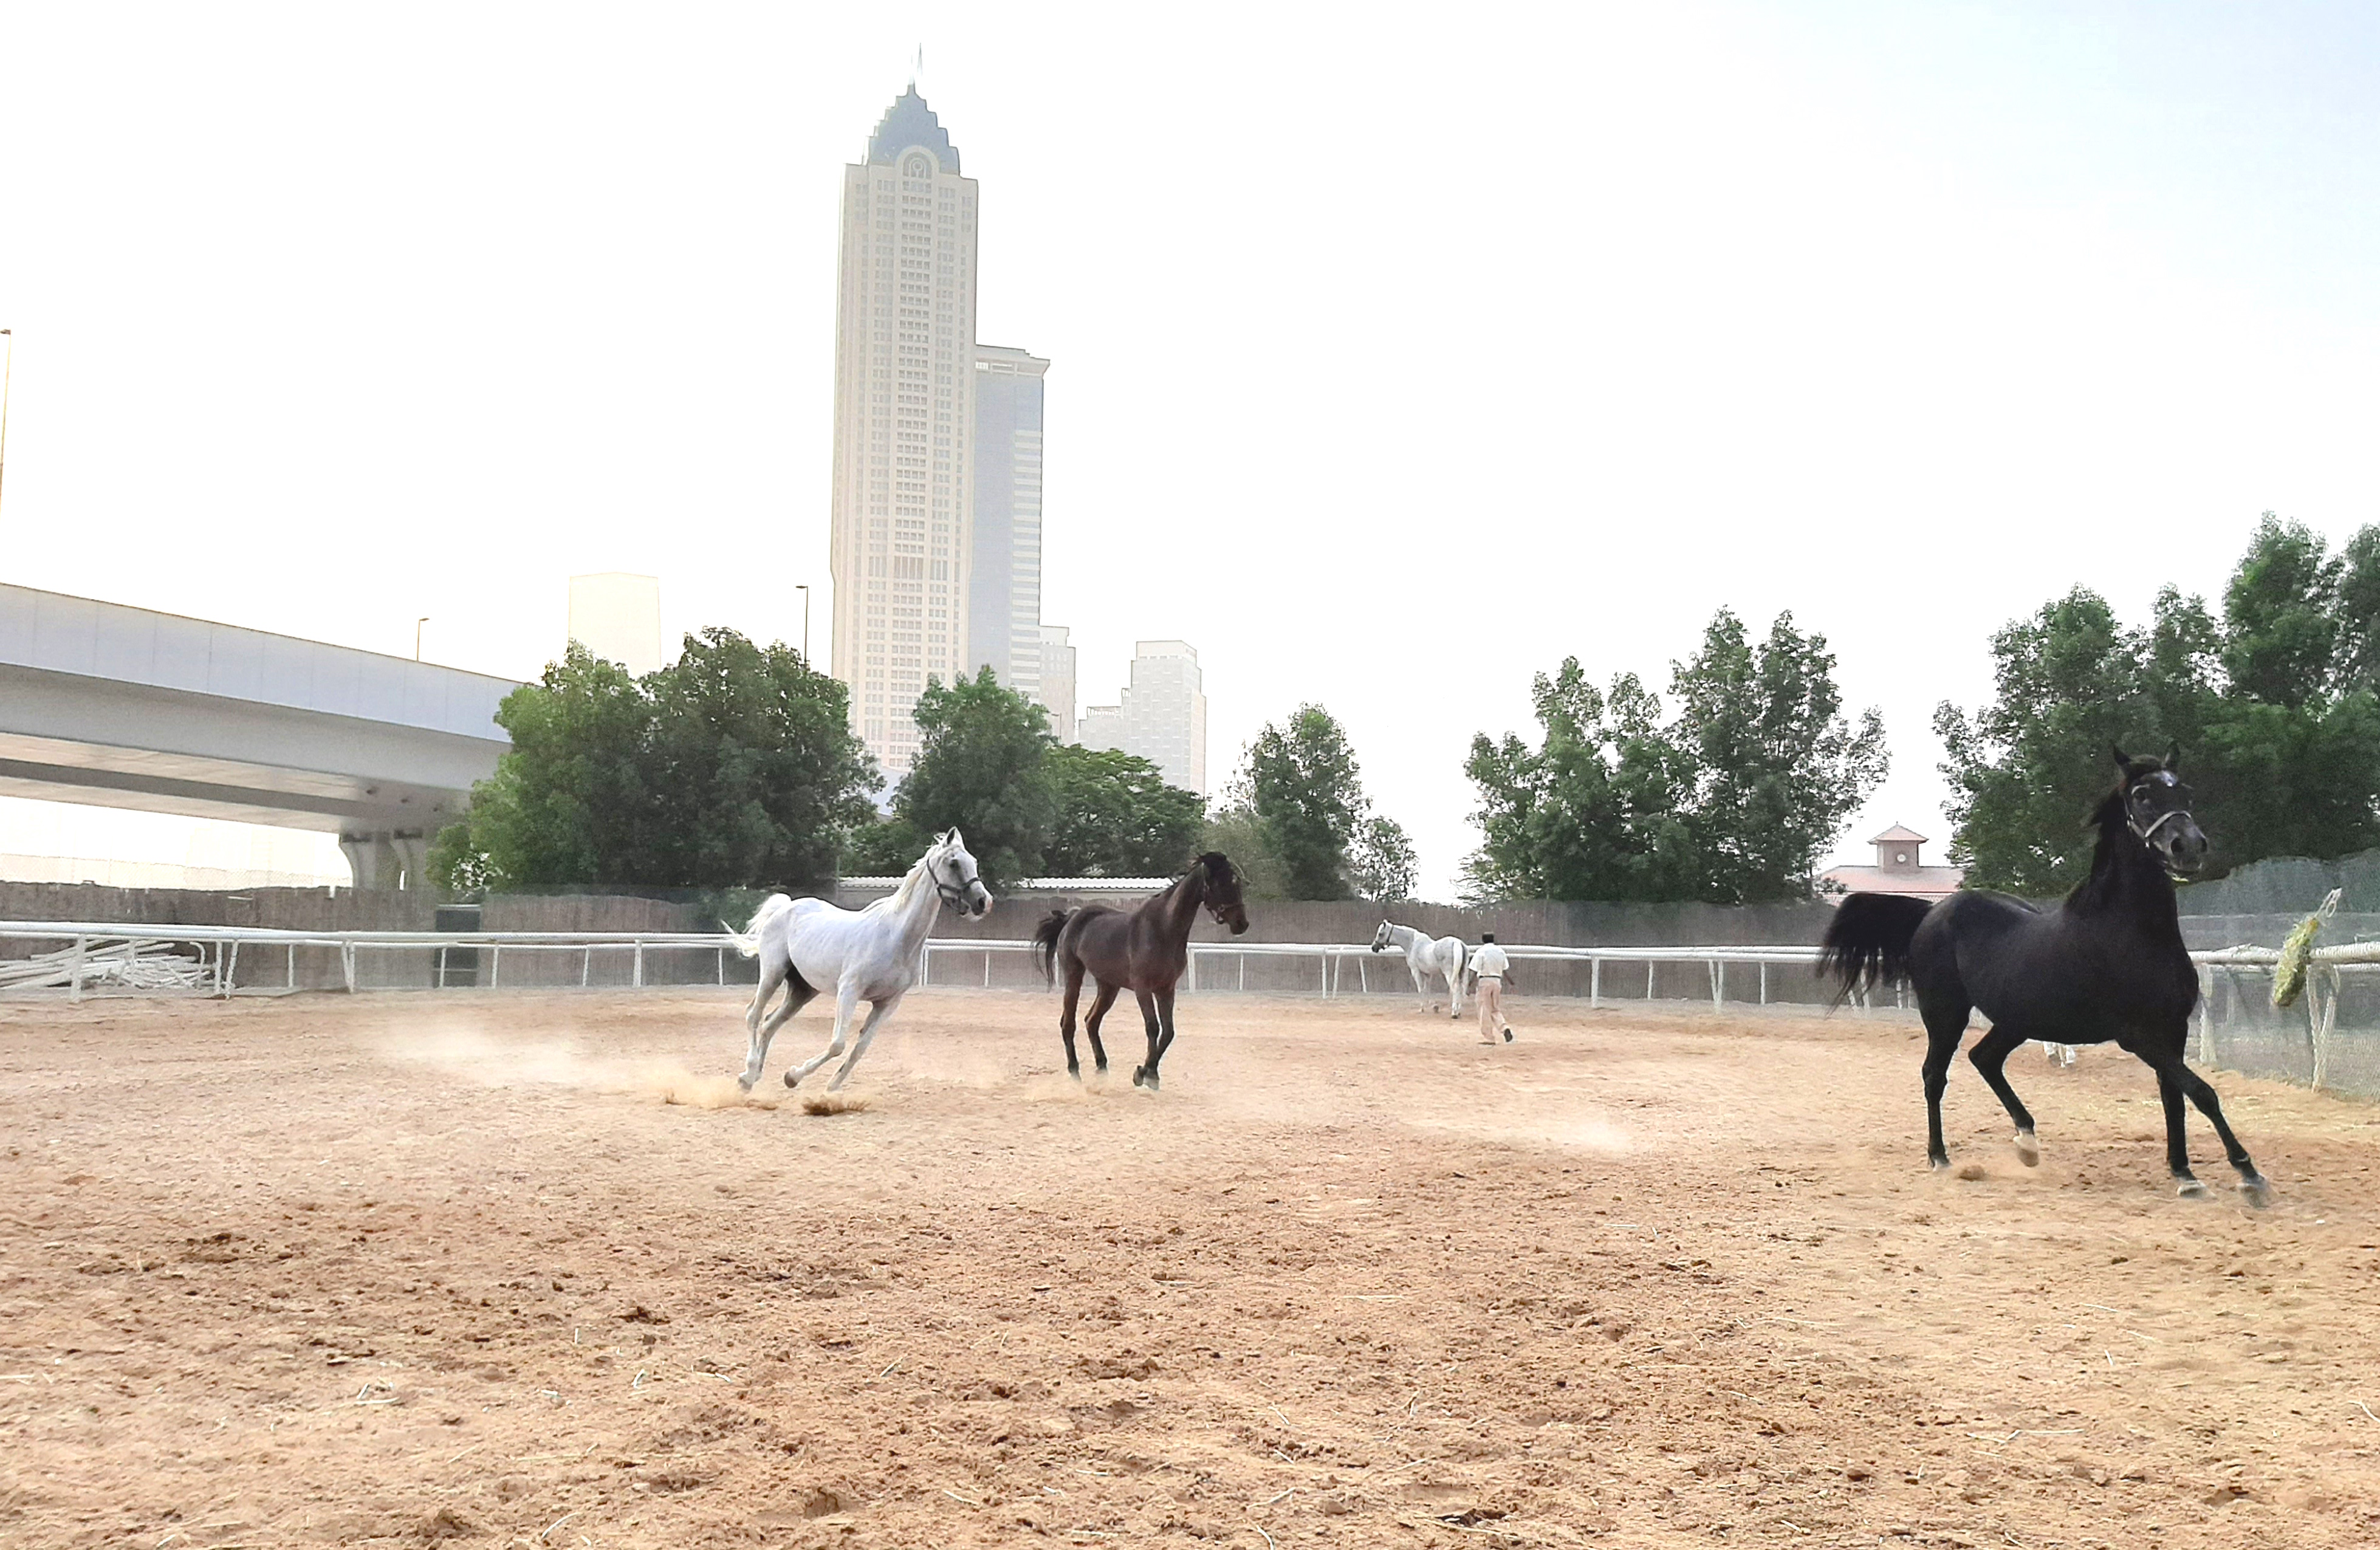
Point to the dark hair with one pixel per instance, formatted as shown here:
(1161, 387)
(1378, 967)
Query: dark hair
(1487, 936)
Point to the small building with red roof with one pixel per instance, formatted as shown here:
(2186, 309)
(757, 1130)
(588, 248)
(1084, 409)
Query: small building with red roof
(1898, 869)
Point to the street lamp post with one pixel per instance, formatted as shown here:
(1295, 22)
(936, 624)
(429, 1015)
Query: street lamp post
(805, 623)
(416, 636)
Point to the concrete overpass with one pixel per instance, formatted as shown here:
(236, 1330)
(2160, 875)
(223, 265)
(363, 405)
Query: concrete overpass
(125, 707)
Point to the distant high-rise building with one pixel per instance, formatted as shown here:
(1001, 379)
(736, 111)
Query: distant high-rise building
(1165, 712)
(618, 617)
(904, 409)
(1102, 727)
(1058, 681)
(1005, 579)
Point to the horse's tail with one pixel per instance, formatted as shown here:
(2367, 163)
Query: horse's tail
(1045, 942)
(747, 942)
(1867, 942)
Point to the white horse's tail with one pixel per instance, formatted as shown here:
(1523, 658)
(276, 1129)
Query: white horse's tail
(747, 942)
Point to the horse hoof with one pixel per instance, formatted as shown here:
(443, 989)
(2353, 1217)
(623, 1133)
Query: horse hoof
(791, 1079)
(2028, 1150)
(2256, 1190)
(2191, 1189)
(745, 1083)
(1939, 1165)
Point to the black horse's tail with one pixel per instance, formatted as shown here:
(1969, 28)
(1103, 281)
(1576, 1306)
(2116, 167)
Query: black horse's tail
(1867, 942)
(1045, 942)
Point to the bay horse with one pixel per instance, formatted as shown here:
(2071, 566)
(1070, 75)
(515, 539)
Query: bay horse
(1144, 952)
(1425, 957)
(2107, 963)
(868, 955)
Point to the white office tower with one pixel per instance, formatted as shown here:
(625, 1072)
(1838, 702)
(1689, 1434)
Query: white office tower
(1102, 727)
(1005, 559)
(1165, 712)
(1058, 681)
(618, 617)
(904, 409)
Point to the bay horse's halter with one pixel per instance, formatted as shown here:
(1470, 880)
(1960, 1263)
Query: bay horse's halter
(1212, 909)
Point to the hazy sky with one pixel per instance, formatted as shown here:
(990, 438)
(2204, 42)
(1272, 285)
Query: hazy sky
(1393, 359)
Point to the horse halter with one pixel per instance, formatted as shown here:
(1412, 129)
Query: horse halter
(2148, 836)
(952, 894)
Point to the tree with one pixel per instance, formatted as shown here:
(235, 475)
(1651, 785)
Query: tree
(1116, 816)
(733, 767)
(983, 767)
(1302, 785)
(1731, 801)
(1779, 770)
(2272, 705)
(1381, 865)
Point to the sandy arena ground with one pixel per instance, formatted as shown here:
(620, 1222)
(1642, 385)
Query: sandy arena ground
(523, 1269)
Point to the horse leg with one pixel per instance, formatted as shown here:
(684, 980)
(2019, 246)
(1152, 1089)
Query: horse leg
(2176, 1145)
(1066, 1016)
(2202, 1092)
(877, 1012)
(1421, 981)
(1990, 1057)
(799, 993)
(1165, 1025)
(1946, 1024)
(1453, 993)
(846, 1002)
(757, 1054)
(1146, 1075)
(1099, 1004)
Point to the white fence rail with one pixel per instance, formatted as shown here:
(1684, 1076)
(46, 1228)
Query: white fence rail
(1213, 965)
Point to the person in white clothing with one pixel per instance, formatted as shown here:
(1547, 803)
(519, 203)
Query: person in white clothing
(1489, 970)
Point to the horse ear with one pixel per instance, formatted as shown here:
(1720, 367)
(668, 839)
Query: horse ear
(2173, 760)
(2123, 761)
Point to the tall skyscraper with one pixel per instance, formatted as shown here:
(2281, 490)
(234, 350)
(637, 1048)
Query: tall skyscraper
(1004, 584)
(1165, 712)
(904, 409)
(1161, 716)
(1058, 681)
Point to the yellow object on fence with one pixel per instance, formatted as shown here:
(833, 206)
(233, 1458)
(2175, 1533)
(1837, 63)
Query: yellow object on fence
(2297, 952)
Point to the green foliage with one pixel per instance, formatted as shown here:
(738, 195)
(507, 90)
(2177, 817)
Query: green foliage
(982, 765)
(2272, 705)
(886, 848)
(1116, 816)
(733, 767)
(1731, 802)
(1381, 864)
(1302, 785)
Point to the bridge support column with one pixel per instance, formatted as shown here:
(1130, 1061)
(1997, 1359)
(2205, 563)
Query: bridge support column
(371, 859)
(412, 848)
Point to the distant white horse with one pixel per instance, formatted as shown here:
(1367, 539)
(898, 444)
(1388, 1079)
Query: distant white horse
(1425, 957)
(866, 955)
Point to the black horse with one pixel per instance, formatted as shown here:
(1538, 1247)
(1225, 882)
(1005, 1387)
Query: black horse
(2107, 963)
(1143, 952)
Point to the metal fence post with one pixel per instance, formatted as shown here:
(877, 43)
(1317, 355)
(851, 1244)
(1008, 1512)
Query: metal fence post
(1594, 981)
(1764, 982)
(637, 969)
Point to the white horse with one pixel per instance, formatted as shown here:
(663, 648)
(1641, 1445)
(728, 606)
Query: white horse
(866, 955)
(1425, 957)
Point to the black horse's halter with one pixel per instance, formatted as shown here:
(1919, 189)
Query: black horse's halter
(2148, 835)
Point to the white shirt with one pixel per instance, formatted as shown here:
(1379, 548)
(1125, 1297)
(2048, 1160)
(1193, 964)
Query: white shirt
(1488, 961)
